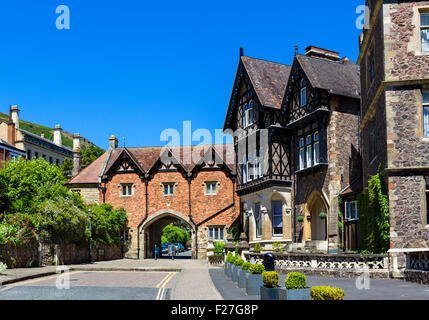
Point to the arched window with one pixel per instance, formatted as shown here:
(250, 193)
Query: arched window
(303, 96)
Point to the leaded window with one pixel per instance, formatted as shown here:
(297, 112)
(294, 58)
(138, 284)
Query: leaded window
(316, 147)
(258, 220)
(425, 31)
(301, 154)
(168, 188)
(247, 115)
(309, 153)
(216, 233)
(277, 209)
(426, 113)
(127, 190)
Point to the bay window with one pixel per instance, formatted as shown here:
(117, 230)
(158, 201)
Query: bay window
(424, 26)
(309, 153)
(316, 148)
(277, 209)
(301, 154)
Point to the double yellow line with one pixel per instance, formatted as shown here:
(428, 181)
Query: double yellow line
(162, 284)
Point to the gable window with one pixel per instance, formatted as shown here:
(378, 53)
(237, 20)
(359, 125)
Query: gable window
(277, 218)
(216, 233)
(303, 95)
(316, 147)
(211, 188)
(127, 190)
(424, 25)
(426, 113)
(247, 115)
(351, 209)
(168, 188)
(301, 154)
(258, 220)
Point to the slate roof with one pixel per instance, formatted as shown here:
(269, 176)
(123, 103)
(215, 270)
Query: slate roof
(146, 159)
(338, 77)
(10, 146)
(269, 79)
(35, 136)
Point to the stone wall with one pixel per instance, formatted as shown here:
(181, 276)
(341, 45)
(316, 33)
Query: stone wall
(20, 256)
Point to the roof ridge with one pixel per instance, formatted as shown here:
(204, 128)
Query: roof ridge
(339, 62)
(283, 64)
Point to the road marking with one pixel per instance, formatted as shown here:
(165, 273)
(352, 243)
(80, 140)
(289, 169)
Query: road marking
(163, 279)
(161, 291)
(23, 283)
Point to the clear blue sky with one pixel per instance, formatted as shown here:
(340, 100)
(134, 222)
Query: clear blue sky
(135, 68)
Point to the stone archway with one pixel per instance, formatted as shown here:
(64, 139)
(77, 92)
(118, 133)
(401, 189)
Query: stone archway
(152, 230)
(315, 228)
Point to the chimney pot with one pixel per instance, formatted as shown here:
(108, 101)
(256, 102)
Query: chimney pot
(58, 140)
(113, 142)
(14, 115)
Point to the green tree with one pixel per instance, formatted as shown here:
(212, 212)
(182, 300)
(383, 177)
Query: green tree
(90, 154)
(107, 224)
(66, 168)
(173, 234)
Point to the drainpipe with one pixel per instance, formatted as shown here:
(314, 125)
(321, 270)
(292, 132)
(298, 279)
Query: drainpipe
(146, 182)
(192, 220)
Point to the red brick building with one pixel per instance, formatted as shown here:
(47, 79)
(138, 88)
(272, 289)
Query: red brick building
(157, 186)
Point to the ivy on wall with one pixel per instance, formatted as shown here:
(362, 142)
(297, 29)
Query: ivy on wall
(374, 222)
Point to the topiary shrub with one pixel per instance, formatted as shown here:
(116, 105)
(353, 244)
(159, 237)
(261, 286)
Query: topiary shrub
(326, 293)
(228, 257)
(256, 269)
(238, 262)
(233, 259)
(271, 279)
(257, 248)
(245, 266)
(295, 280)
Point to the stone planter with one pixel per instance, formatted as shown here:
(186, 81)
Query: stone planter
(225, 268)
(272, 293)
(253, 284)
(234, 273)
(298, 294)
(228, 269)
(242, 277)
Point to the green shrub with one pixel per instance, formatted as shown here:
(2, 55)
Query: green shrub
(219, 248)
(300, 219)
(257, 248)
(326, 293)
(245, 266)
(238, 262)
(233, 259)
(295, 280)
(278, 247)
(228, 257)
(3, 267)
(256, 269)
(271, 279)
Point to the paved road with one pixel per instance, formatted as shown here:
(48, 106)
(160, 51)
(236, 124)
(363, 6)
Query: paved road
(112, 285)
(378, 289)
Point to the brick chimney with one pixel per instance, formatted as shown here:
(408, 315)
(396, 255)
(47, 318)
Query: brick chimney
(58, 140)
(113, 142)
(77, 155)
(14, 115)
(313, 51)
(11, 129)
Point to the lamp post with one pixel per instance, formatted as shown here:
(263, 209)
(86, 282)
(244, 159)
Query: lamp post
(90, 236)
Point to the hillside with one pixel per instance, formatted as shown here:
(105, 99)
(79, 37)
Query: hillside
(38, 129)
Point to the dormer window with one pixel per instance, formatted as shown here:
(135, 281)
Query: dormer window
(424, 25)
(303, 97)
(247, 115)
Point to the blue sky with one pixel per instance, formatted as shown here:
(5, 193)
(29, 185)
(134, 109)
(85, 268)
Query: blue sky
(135, 68)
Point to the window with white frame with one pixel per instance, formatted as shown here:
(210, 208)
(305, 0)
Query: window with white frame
(211, 187)
(301, 154)
(250, 171)
(424, 25)
(247, 115)
(351, 210)
(277, 210)
(127, 190)
(309, 152)
(168, 188)
(244, 172)
(216, 233)
(426, 113)
(258, 220)
(303, 95)
(316, 147)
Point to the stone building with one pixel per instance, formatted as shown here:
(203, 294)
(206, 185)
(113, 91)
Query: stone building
(295, 133)
(157, 186)
(9, 152)
(33, 145)
(394, 59)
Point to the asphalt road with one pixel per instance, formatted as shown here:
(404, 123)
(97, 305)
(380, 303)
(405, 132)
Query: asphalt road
(388, 289)
(112, 285)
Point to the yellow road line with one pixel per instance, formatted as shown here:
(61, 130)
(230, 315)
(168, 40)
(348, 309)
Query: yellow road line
(23, 283)
(163, 279)
(161, 291)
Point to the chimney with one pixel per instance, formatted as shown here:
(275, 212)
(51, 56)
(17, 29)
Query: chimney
(14, 115)
(313, 51)
(58, 140)
(77, 161)
(76, 141)
(11, 129)
(113, 142)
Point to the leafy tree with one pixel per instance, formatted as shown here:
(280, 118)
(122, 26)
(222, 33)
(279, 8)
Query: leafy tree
(90, 154)
(107, 224)
(173, 234)
(66, 168)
